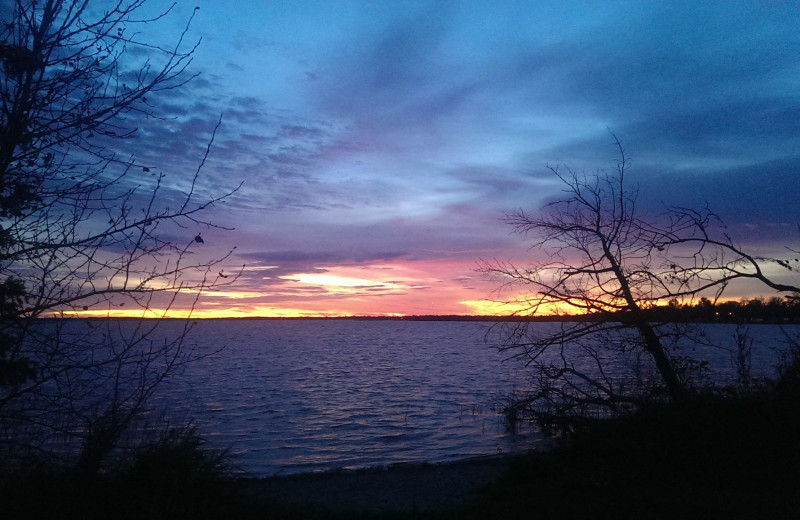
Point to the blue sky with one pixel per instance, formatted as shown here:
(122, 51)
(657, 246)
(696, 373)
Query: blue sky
(381, 143)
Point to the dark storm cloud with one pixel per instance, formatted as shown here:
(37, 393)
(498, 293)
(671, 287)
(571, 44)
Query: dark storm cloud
(670, 54)
(757, 202)
(394, 64)
(393, 83)
(754, 129)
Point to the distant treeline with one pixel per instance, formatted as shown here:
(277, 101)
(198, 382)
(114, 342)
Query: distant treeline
(755, 310)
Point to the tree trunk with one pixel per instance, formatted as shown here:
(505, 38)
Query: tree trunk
(676, 389)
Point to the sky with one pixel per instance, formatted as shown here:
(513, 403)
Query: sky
(380, 144)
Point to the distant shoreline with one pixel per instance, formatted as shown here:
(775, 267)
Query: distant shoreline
(431, 317)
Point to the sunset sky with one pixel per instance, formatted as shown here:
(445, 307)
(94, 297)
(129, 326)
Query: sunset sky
(380, 143)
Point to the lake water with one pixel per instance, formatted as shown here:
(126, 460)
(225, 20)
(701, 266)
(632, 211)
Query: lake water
(289, 396)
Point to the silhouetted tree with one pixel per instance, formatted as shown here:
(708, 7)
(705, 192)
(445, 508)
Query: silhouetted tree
(608, 261)
(82, 227)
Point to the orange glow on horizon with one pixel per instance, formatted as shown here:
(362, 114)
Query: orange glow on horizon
(218, 310)
(447, 287)
(444, 287)
(512, 308)
(470, 308)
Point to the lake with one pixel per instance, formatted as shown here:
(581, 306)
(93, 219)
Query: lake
(290, 396)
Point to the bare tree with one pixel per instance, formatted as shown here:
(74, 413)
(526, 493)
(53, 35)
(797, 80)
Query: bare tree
(609, 265)
(84, 228)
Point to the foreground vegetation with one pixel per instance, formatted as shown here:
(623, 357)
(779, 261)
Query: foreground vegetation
(714, 456)
(734, 457)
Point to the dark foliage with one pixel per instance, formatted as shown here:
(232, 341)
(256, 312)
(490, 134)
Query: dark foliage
(175, 477)
(756, 310)
(81, 230)
(712, 457)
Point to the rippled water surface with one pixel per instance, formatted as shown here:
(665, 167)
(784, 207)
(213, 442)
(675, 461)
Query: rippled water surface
(290, 396)
(306, 395)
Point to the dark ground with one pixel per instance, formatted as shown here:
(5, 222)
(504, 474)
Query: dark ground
(711, 457)
(399, 488)
(731, 458)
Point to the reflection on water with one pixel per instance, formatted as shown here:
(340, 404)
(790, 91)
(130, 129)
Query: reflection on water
(290, 396)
